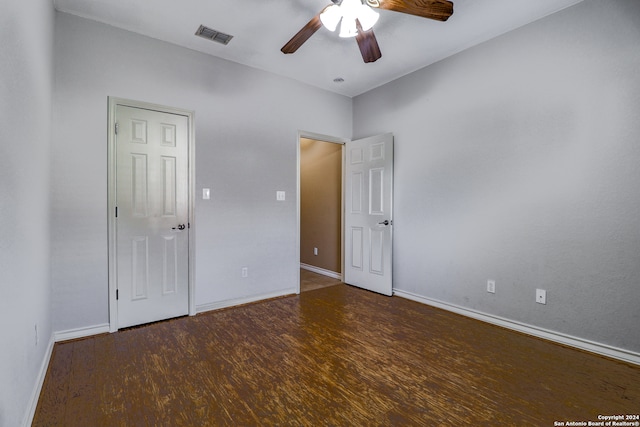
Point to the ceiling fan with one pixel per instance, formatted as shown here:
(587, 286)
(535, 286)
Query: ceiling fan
(357, 18)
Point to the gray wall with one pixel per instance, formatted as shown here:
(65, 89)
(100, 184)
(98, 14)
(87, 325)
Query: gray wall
(246, 144)
(519, 160)
(26, 84)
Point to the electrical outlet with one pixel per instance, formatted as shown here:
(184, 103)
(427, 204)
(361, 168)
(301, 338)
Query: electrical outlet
(315, 251)
(491, 286)
(245, 272)
(541, 296)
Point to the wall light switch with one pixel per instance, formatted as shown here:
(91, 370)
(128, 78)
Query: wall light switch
(491, 286)
(280, 196)
(206, 194)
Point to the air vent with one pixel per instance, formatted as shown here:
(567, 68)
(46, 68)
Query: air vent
(211, 34)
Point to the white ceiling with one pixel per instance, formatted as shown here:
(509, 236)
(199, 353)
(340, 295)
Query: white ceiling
(261, 27)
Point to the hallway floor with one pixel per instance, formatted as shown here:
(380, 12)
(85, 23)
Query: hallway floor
(310, 281)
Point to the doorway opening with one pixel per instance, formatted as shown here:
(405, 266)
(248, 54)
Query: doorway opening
(366, 211)
(320, 210)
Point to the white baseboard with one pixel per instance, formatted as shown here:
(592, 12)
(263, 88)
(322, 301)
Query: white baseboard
(322, 271)
(245, 300)
(88, 331)
(580, 343)
(35, 395)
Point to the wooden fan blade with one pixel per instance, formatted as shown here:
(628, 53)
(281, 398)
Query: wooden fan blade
(368, 44)
(302, 35)
(439, 10)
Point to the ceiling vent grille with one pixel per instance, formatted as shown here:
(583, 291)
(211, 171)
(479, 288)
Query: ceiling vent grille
(211, 34)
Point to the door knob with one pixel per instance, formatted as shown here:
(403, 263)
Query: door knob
(179, 227)
(385, 222)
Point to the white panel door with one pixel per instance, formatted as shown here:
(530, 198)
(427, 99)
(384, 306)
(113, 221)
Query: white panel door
(369, 213)
(152, 198)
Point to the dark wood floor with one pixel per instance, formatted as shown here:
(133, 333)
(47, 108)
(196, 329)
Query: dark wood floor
(336, 356)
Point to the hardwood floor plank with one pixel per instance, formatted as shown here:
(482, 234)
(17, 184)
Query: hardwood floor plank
(109, 373)
(82, 397)
(53, 397)
(332, 357)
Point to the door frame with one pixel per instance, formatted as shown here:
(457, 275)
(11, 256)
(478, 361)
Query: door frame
(111, 199)
(329, 139)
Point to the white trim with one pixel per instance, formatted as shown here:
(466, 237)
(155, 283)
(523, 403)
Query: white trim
(571, 341)
(35, 394)
(324, 138)
(245, 300)
(322, 271)
(73, 334)
(192, 213)
(111, 222)
(111, 200)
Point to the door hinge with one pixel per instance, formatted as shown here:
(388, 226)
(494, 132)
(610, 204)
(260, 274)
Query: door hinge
(117, 127)
(116, 212)
(117, 294)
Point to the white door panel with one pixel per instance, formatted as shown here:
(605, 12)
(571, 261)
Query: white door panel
(152, 198)
(369, 213)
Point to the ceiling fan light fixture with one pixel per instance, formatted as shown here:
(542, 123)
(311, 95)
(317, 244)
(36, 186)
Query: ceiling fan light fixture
(331, 16)
(367, 17)
(348, 28)
(350, 10)
(347, 13)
